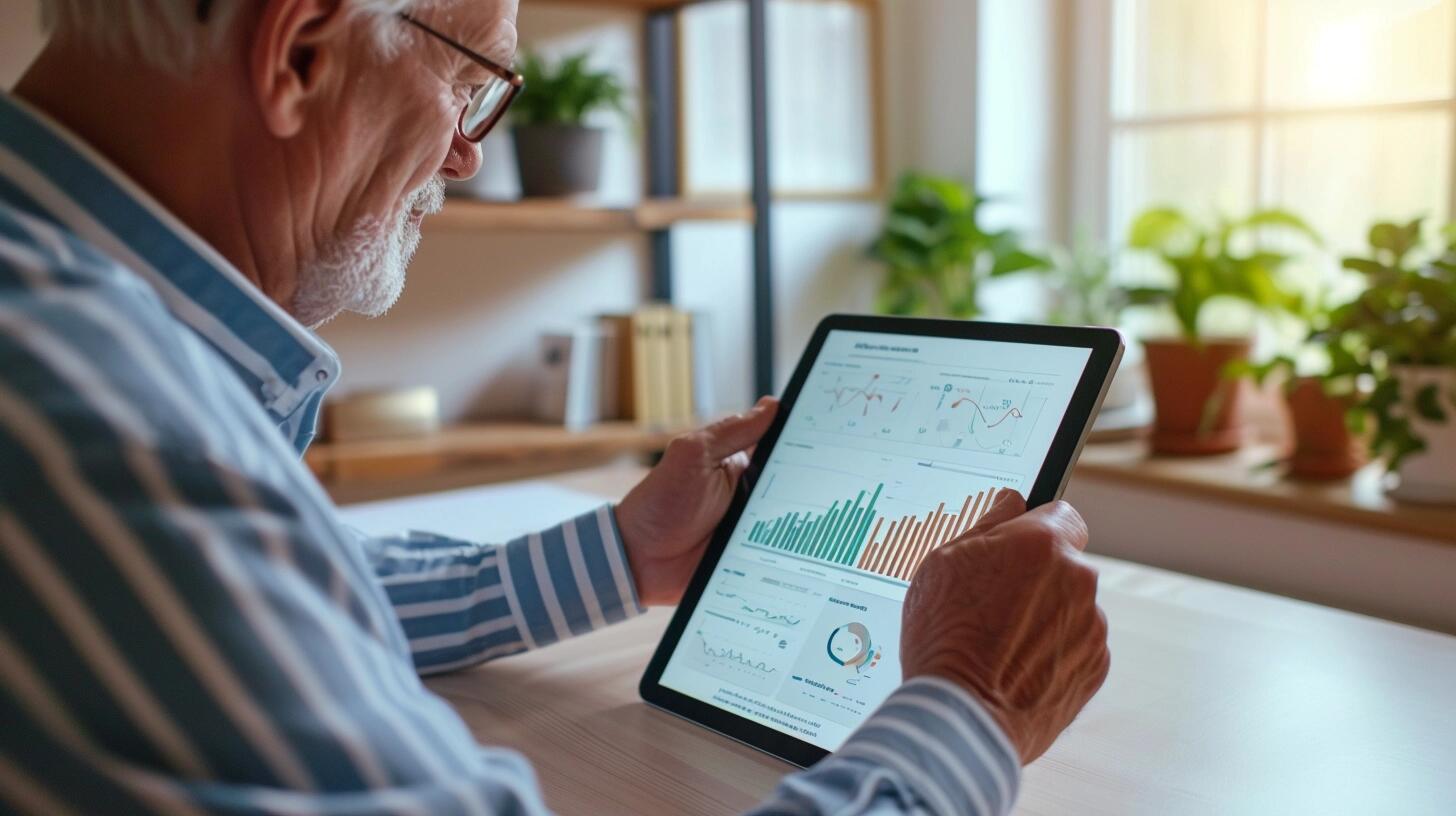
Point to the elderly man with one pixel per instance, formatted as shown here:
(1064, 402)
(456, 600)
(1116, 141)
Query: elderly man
(185, 626)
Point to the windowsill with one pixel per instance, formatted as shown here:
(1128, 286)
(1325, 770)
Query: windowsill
(1244, 478)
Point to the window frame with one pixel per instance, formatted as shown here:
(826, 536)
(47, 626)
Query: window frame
(1090, 87)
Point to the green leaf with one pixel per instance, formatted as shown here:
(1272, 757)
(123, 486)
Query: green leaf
(1282, 219)
(1428, 404)
(566, 93)
(1147, 295)
(1017, 261)
(1157, 228)
(937, 251)
(1365, 266)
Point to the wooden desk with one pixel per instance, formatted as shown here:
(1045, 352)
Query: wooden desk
(1220, 701)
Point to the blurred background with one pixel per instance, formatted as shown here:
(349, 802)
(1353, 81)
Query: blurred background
(1256, 191)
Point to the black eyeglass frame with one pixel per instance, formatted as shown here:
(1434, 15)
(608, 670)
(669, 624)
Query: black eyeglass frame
(515, 82)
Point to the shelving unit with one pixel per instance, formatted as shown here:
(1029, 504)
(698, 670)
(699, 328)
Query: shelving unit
(552, 215)
(665, 206)
(474, 454)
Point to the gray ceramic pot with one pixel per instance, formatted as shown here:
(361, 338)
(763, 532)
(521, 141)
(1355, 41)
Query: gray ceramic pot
(559, 160)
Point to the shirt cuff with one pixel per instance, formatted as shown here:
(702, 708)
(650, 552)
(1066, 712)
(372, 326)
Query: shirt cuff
(944, 745)
(570, 579)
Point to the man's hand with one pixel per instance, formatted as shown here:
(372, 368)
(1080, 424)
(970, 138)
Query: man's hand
(667, 519)
(1009, 612)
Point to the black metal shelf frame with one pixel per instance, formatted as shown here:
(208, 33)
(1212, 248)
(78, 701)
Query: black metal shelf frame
(663, 85)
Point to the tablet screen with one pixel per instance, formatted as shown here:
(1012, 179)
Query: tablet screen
(895, 446)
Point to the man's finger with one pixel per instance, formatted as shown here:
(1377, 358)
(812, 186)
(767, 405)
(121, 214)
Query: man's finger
(1007, 505)
(733, 434)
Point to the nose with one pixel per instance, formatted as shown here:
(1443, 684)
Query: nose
(462, 162)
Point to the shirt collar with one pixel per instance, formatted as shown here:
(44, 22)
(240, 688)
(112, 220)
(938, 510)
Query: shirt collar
(49, 171)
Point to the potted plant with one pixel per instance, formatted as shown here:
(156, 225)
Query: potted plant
(1083, 293)
(1198, 411)
(1326, 413)
(1405, 326)
(938, 254)
(557, 152)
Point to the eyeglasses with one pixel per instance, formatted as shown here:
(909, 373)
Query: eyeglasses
(489, 102)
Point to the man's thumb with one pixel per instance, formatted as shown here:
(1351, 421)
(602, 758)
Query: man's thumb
(733, 434)
(1006, 505)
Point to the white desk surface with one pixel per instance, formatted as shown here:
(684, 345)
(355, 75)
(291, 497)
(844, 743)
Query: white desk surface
(1220, 701)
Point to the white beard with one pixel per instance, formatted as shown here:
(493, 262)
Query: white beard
(364, 272)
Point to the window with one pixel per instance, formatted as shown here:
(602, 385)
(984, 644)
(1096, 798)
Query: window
(1343, 111)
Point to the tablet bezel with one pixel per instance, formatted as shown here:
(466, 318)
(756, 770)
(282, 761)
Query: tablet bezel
(1106, 349)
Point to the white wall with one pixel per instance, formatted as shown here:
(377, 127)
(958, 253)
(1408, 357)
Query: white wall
(469, 318)
(20, 38)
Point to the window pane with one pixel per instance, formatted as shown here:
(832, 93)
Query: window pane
(1324, 52)
(821, 97)
(1182, 56)
(1206, 169)
(1343, 172)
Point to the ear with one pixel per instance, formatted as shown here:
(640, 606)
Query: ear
(296, 47)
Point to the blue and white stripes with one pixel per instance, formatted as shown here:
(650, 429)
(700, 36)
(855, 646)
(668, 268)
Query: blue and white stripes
(185, 625)
(461, 603)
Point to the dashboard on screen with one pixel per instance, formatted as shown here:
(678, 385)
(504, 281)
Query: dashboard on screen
(895, 446)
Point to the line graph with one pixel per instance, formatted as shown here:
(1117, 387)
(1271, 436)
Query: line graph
(992, 418)
(980, 410)
(733, 655)
(760, 612)
(844, 395)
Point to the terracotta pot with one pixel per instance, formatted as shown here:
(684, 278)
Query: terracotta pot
(1429, 477)
(1324, 448)
(1185, 378)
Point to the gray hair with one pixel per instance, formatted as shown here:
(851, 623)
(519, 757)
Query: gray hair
(166, 33)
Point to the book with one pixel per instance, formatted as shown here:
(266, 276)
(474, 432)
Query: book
(569, 387)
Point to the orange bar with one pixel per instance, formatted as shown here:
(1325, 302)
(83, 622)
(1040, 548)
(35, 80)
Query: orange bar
(885, 546)
(882, 564)
(931, 541)
(975, 511)
(873, 554)
(891, 553)
(916, 530)
(960, 524)
(871, 539)
(922, 535)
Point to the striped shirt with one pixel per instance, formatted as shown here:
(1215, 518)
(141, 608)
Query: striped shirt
(185, 624)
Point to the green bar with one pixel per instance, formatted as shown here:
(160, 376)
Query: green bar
(812, 530)
(809, 532)
(780, 527)
(823, 531)
(858, 542)
(849, 531)
(823, 542)
(797, 532)
(842, 534)
(833, 532)
(789, 531)
(753, 534)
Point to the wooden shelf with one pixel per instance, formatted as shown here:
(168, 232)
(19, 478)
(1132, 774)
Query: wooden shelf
(557, 215)
(1246, 478)
(472, 454)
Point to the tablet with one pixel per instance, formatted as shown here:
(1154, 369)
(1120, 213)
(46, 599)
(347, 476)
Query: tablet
(893, 435)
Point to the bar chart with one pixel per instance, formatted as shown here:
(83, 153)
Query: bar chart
(904, 545)
(836, 535)
(852, 534)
